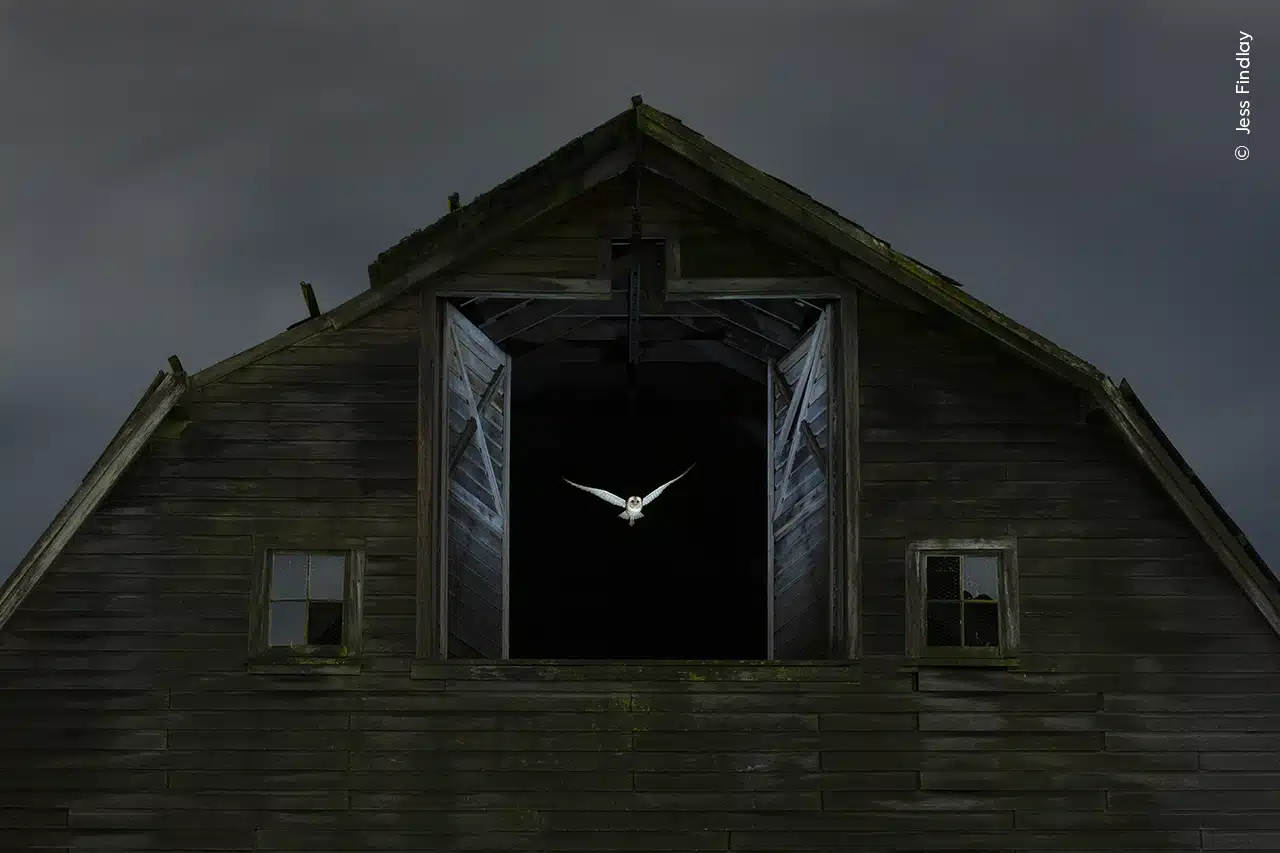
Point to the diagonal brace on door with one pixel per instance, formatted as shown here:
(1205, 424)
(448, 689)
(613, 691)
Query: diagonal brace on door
(801, 396)
(806, 431)
(473, 426)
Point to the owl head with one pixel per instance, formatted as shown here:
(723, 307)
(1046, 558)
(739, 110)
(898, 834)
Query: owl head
(634, 503)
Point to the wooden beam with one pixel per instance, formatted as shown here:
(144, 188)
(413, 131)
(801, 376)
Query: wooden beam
(541, 390)
(786, 393)
(484, 310)
(597, 329)
(525, 287)
(795, 287)
(811, 441)
(309, 297)
(848, 430)
(633, 296)
(619, 230)
(720, 353)
(521, 320)
(614, 306)
(789, 312)
(752, 346)
(560, 352)
(655, 329)
(745, 316)
(780, 382)
(460, 446)
(430, 571)
(559, 330)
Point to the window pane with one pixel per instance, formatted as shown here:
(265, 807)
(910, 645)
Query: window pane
(942, 625)
(288, 576)
(981, 623)
(942, 579)
(324, 625)
(982, 578)
(287, 623)
(328, 577)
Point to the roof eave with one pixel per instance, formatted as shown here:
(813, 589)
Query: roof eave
(161, 396)
(1193, 498)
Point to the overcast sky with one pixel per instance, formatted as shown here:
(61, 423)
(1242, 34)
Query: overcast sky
(167, 178)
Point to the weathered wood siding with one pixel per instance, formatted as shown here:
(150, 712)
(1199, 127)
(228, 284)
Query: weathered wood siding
(316, 440)
(1149, 688)
(711, 245)
(1146, 716)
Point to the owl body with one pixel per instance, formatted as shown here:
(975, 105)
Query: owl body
(632, 512)
(632, 506)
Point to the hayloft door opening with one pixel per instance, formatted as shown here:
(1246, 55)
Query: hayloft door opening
(476, 453)
(687, 581)
(733, 562)
(799, 478)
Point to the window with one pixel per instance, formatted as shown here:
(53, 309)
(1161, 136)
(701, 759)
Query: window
(308, 602)
(962, 600)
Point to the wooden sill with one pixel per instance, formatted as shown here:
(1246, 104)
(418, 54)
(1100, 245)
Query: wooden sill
(304, 666)
(637, 670)
(974, 662)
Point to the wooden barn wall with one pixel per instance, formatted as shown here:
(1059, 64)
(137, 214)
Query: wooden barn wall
(153, 592)
(711, 246)
(1146, 716)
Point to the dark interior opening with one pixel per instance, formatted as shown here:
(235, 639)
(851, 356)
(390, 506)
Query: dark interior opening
(688, 581)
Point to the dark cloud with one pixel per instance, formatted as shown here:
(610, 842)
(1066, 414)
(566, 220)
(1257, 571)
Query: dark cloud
(169, 176)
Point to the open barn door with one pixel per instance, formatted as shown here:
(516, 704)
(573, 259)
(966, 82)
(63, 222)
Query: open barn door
(800, 497)
(477, 450)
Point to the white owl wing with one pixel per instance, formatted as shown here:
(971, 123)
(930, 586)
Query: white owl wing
(601, 494)
(654, 494)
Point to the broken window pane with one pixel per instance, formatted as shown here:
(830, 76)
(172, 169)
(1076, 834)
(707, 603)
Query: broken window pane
(982, 578)
(287, 623)
(942, 581)
(942, 624)
(288, 576)
(324, 623)
(328, 576)
(981, 623)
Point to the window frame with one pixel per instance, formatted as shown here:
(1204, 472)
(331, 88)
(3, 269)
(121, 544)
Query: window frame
(311, 655)
(1006, 551)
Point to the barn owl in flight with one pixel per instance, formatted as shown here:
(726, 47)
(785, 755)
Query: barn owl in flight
(631, 506)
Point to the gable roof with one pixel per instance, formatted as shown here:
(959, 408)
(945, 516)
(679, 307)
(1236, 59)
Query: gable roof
(645, 138)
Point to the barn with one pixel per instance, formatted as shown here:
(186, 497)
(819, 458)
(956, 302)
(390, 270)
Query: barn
(931, 582)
